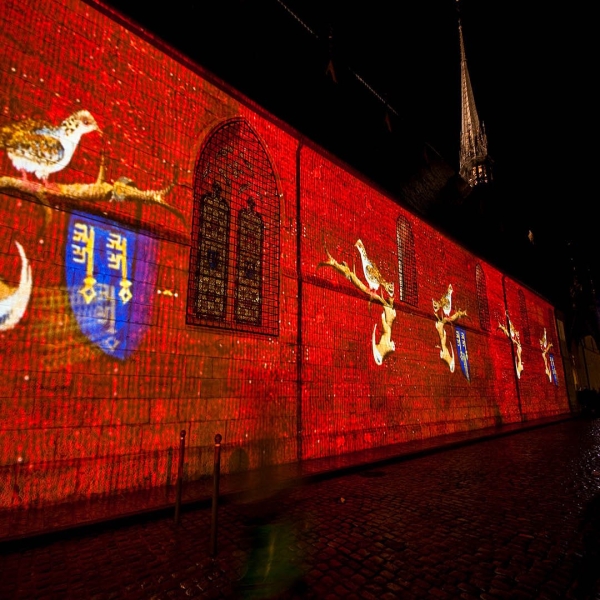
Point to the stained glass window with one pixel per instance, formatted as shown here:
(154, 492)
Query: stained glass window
(248, 290)
(407, 264)
(482, 299)
(234, 262)
(213, 244)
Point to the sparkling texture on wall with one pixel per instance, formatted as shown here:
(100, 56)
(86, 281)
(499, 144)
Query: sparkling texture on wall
(186, 262)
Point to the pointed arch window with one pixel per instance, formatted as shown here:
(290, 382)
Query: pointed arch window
(234, 260)
(482, 299)
(524, 318)
(407, 263)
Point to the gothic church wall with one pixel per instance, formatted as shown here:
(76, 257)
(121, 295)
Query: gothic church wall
(194, 265)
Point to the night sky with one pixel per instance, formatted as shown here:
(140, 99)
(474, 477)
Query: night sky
(530, 65)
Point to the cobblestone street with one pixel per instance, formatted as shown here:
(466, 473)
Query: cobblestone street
(511, 517)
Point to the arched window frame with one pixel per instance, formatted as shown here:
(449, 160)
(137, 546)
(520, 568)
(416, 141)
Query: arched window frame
(482, 299)
(235, 253)
(407, 263)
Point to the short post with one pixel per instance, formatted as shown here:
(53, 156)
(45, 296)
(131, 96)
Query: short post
(215, 498)
(179, 477)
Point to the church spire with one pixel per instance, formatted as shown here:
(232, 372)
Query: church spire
(475, 164)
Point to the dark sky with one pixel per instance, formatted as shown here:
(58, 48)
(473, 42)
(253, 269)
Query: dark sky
(532, 68)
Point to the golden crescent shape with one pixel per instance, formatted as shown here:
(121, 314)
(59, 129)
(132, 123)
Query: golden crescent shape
(376, 354)
(13, 307)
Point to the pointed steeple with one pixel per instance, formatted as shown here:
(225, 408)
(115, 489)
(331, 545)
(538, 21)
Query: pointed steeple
(475, 163)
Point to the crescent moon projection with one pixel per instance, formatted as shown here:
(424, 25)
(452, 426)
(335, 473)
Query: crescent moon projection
(376, 354)
(14, 301)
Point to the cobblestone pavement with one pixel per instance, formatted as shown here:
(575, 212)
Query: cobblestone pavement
(514, 517)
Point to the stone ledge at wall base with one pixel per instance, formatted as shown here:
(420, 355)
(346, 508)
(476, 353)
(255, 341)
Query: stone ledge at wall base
(127, 506)
(589, 402)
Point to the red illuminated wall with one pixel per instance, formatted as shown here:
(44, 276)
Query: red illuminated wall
(175, 275)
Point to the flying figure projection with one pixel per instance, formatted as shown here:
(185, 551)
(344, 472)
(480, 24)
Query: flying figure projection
(375, 283)
(444, 314)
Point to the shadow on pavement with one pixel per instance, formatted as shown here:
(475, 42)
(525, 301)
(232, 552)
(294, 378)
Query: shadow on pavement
(270, 572)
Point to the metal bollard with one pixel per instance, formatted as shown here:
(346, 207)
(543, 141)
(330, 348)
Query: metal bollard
(179, 477)
(215, 498)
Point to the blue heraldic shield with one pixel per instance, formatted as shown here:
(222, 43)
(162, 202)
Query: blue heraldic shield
(553, 369)
(110, 274)
(463, 355)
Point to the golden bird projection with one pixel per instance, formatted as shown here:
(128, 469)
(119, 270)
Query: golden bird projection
(372, 274)
(444, 303)
(41, 148)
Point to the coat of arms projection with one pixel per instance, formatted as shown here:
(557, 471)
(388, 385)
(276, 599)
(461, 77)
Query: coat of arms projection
(105, 262)
(42, 148)
(377, 290)
(443, 311)
(105, 265)
(513, 335)
(548, 359)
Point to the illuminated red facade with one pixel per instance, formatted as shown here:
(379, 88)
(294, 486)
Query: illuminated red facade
(173, 258)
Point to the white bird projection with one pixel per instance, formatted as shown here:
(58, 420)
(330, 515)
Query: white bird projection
(41, 148)
(372, 274)
(14, 301)
(445, 302)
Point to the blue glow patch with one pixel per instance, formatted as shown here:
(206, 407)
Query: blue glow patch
(463, 355)
(110, 274)
(553, 369)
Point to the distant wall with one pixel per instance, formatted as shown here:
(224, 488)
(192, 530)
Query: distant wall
(194, 266)
(587, 362)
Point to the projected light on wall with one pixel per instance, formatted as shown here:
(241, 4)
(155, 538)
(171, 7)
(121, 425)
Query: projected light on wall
(103, 262)
(235, 255)
(446, 315)
(514, 336)
(163, 244)
(14, 300)
(378, 290)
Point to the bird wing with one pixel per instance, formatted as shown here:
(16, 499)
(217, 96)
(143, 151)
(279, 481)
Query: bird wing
(35, 145)
(373, 276)
(7, 132)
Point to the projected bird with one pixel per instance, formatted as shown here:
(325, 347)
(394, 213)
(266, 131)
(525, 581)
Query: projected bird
(42, 148)
(444, 303)
(372, 274)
